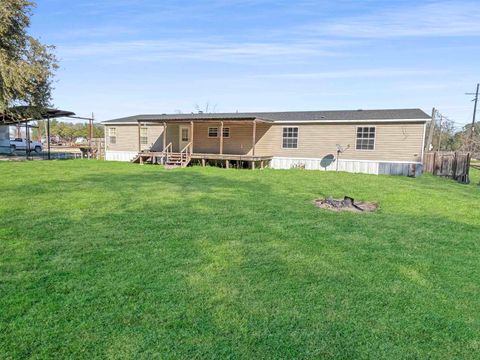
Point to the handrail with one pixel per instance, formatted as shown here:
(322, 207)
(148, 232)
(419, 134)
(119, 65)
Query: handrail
(185, 150)
(166, 151)
(186, 146)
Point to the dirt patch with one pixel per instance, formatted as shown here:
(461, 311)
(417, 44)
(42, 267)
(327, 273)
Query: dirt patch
(345, 204)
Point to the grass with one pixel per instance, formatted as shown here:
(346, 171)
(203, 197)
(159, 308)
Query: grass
(114, 260)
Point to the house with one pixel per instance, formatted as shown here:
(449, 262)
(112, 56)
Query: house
(366, 141)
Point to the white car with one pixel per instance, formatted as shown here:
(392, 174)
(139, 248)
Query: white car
(21, 144)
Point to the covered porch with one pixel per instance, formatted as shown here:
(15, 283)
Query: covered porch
(228, 143)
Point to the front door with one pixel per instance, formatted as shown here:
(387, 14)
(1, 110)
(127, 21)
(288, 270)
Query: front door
(184, 135)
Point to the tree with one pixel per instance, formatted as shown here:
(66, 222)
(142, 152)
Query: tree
(26, 65)
(68, 131)
(207, 109)
(468, 141)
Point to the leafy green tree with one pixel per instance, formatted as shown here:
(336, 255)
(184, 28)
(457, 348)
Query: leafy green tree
(468, 141)
(67, 130)
(26, 65)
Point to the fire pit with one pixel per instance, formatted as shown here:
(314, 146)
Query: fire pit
(347, 204)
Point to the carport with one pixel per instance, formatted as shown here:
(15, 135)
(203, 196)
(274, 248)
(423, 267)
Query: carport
(15, 117)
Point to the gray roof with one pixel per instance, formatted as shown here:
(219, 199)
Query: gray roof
(290, 116)
(22, 114)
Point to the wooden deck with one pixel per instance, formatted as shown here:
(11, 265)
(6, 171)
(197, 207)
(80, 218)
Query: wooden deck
(230, 157)
(204, 158)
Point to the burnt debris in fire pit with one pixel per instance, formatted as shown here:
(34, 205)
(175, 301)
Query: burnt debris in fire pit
(347, 204)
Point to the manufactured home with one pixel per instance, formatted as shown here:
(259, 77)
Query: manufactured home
(366, 141)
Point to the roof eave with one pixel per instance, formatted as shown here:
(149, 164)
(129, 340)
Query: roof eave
(325, 121)
(145, 120)
(268, 121)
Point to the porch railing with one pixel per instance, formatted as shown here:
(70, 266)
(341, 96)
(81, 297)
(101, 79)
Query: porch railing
(167, 152)
(186, 152)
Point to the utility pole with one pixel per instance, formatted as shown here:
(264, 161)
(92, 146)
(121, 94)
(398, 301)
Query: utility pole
(431, 130)
(472, 130)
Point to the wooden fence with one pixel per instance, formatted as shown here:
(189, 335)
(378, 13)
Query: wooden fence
(455, 165)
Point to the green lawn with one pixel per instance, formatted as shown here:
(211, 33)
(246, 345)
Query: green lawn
(115, 260)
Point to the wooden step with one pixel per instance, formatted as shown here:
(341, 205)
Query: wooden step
(141, 158)
(173, 163)
(136, 159)
(174, 160)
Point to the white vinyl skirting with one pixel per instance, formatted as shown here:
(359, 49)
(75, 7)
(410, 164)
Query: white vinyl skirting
(120, 155)
(377, 167)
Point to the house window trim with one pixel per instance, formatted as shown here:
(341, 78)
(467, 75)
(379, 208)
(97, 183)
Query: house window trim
(144, 137)
(208, 132)
(110, 136)
(298, 137)
(229, 132)
(374, 139)
(187, 132)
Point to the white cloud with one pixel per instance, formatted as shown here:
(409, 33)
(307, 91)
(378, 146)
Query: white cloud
(435, 19)
(213, 50)
(355, 73)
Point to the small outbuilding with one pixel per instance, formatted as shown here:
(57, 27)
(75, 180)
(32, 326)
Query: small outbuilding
(23, 115)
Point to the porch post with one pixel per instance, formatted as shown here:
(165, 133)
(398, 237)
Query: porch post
(164, 135)
(48, 136)
(253, 137)
(27, 138)
(139, 143)
(191, 135)
(221, 137)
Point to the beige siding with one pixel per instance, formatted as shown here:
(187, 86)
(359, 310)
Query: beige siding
(127, 138)
(155, 137)
(394, 142)
(239, 142)
(173, 136)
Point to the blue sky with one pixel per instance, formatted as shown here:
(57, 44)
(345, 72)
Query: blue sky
(125, 57)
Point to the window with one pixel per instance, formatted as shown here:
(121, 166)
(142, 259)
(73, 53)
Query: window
(213, 132)
(290, 138)
(365, 138)
(185, 134)
(112, 135)
(143, 136)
